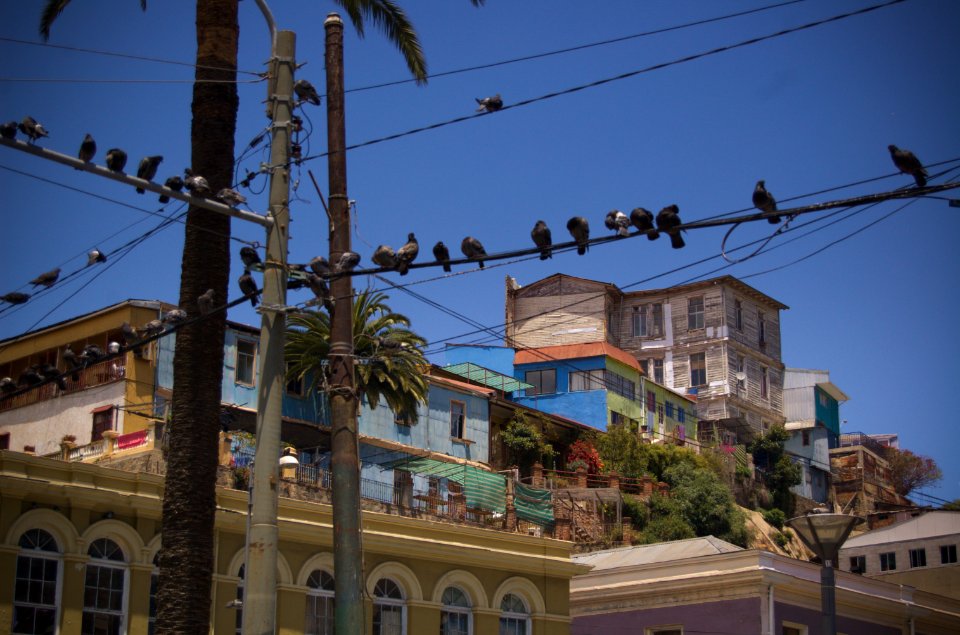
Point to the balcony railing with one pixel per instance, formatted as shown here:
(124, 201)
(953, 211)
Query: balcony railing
(94, 375)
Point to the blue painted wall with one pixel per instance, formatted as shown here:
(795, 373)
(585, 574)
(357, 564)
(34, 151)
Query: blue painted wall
(496, 358)
(827, 412)
(588, 406)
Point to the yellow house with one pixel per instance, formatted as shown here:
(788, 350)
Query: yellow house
(116, 396)
(78, 543)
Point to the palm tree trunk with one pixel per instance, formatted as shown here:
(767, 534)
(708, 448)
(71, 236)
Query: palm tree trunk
(189, 502)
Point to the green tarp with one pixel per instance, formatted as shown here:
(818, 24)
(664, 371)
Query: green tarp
(482, 489)
(532, 504)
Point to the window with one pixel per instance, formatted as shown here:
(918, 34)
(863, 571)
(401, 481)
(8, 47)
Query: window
(657, 327)
(639, 321)
(695, 312)
(655, 370)
(620, 385)
(514, 616)
(858, 564)
(888, 561)
(822, 398)
(794, 629)
(580, 380)
(764, 388)
(455, 615)
(36, 584)
(102, 421)
(681, 414)
(805, 435)
(948, 554)
(457, 413)
(670, 630)
(103, 592)
(738, 314)
(651, 401)
(762, 328)
(320, 604)
(617, 419)
(388, 608)
(668, 405)
(246, 361)
(5, 441)
(698, 369)
(544, 381)
(918, 558)
(660, 415)
(741, 371)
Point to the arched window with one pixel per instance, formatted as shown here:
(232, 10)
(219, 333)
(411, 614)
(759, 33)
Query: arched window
(455, 615)
(514, 616)
(36, 588)
(154, 584)
(104, 597)
(319, 618)
(389, 612)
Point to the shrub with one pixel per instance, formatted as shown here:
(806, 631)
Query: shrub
(775, 517)
(781, 539)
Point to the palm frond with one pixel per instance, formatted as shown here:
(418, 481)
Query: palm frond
(393, 22)
(52, 11)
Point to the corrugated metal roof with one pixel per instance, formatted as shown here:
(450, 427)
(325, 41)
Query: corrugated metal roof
(487, 377)
(576, 351)
(660, 552)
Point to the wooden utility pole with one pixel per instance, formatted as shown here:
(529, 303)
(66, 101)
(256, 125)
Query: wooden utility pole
(345, 459)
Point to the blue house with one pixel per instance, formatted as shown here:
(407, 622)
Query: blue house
(811, 404)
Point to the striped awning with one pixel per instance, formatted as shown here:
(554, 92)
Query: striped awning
(481, 488)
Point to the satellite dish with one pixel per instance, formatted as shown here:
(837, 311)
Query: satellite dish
(741, 376)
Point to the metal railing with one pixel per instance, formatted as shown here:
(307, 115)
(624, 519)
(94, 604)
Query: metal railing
(94, 375)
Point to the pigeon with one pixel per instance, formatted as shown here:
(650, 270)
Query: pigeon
(88, 148)
(90, 354)
(8, 131)
(407, 254)
(49, 372)
(764, 201)
(130, 337)
(321, 290)
(148, 169)
(306, 92)
(46, 279)
(15, 297)
(385, 257)
(94, 256)
(174, 316)
(196, 184)
(668, 219)
(32, 128)
(542, 239)
(71, 359)
(642, 219)
(29, 377)
(7, 385)
(908, 163)
(472, 249)
(579, 228)
(617, 221)
(490, 104)
(348, 262)
(116, 159)
(174, 183)
(151, 329)
(249, 256)
(320, 266)
(442, 255)
(231, 197)
(248, 287)
(205, 302)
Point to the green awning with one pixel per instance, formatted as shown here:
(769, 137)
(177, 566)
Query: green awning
(481, 488)
(487, 377)
(532, 504)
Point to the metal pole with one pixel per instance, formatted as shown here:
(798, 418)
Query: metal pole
(345, 460)
(828, 598)
(260, 585)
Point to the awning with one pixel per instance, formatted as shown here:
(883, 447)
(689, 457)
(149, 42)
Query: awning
(482, 489)
(532, 504)
(487, 377)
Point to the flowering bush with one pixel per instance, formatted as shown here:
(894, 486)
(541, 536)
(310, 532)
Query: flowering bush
(582, 454)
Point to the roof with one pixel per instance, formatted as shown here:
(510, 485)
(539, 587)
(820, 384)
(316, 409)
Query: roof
(656, 553)
(487, 377)
(460, 385)
(576, 351)
(146, 304)
(806, 378)
(928, 525)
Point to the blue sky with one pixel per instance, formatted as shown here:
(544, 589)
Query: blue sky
(808, 111)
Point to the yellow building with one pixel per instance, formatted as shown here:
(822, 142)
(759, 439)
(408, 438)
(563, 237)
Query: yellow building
(115, 395)
(78, 543)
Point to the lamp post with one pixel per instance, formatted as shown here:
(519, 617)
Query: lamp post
(824, 533)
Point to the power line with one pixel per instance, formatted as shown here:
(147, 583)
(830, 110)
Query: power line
(622, 76)
(63, 80)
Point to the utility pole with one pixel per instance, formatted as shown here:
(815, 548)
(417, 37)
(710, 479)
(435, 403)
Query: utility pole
(260, 576)
(345, 459)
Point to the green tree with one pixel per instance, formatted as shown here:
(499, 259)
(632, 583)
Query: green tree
(391, 355)
(779, 472)
(525, 444)
(622, 451)
(705, 503)
(909, 471)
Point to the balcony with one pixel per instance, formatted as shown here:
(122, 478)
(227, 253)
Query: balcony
(105, 372)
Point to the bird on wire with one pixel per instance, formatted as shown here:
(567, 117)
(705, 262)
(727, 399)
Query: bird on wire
(442, 255)
(764, 201)
(642, 219)
(668, 219)
(385, 257)
(88, 148)
(196, 184)
(15, 297)
(320, 266)
(348, 262)
(32, 129)
(908, 163)
(473, 250)
(489, 104)
(231, 197)
(9, 131)
(205, 302)
(47, 278)
(116, 159)
(95, 256)
(306, 92)
(407, 254)
(174, 183)
(248, 286)
(542, 238)
(617, 221)
(321, 290)
(148, 169)
(579, 228)
(249, 256)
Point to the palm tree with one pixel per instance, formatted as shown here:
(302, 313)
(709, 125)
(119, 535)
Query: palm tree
(189, 504)
(390, 355)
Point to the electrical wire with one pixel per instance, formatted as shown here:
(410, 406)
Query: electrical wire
(62, 80)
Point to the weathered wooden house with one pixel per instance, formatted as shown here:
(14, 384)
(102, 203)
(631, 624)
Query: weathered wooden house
(718, 339)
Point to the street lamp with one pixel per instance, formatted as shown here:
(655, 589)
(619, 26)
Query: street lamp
(824, 532)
